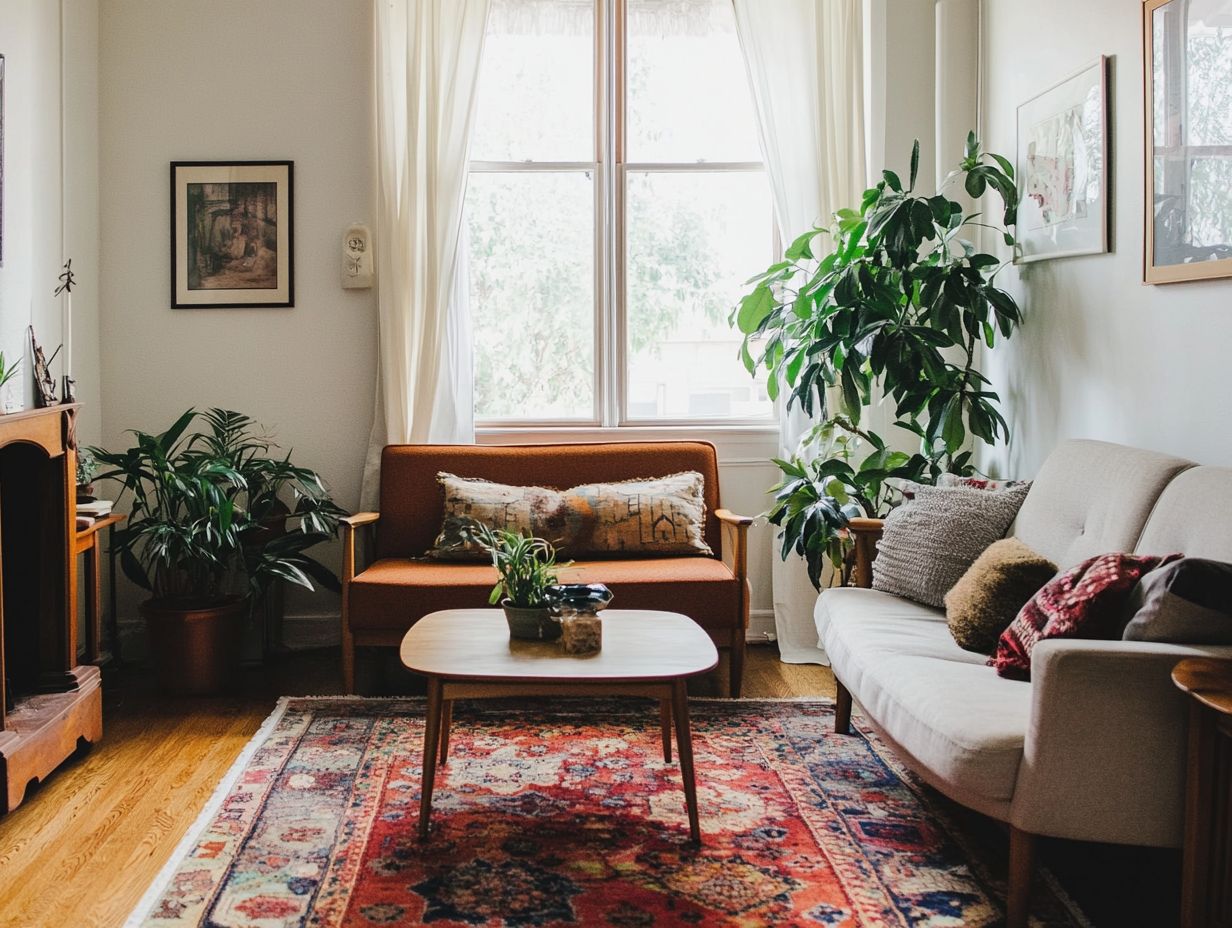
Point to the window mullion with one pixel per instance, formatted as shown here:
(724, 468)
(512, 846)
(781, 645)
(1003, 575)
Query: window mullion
(610, 221)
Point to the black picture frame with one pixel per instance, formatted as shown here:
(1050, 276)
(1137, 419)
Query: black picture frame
(232, 234)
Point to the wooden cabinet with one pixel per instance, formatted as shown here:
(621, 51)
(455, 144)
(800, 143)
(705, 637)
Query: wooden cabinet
(1207, 877)
(51, 703)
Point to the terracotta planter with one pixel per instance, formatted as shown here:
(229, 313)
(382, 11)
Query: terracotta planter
(196, 651)
(535, 624)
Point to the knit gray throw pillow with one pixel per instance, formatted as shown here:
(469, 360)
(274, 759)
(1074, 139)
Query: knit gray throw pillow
(929, 542)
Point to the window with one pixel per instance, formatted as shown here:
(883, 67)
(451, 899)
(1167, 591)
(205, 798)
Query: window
(616, 204)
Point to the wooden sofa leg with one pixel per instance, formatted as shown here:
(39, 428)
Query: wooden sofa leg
(1018, 891)
(842, 709)
(735, 664)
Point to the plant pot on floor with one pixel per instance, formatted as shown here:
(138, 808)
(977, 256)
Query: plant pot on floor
(531, 623)
(195, 651)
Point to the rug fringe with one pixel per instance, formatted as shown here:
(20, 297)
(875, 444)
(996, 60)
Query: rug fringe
(185, 845)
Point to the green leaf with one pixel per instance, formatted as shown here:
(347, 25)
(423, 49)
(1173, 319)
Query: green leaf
(802, 246)
(915, 162)
(746, 358)
(892, 179)
(975, 184)
(754, 309)
(1005, 164)
(952, 431)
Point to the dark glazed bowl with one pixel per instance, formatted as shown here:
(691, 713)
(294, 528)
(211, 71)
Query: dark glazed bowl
(581, 597)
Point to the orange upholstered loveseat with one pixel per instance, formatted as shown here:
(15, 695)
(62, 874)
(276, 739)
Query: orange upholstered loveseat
(400, 586)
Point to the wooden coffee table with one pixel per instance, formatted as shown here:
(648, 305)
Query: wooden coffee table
(468, 654)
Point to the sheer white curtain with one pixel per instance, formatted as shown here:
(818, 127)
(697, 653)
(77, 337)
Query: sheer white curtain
(427, 66)
(805, 65)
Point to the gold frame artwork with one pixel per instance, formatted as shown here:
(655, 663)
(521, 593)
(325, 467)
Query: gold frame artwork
(1176, 272)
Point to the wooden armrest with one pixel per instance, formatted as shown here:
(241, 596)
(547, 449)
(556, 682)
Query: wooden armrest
(734, 530)
(856, 526)
(359, 518)
(349, 526)
(865, 533)
(735, 541)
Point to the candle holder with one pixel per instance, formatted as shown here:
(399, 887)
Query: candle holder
(65, 289)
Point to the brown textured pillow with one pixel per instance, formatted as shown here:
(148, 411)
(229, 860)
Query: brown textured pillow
(983, 603)
(656, 516)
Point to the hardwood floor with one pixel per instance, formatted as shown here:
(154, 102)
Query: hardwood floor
(83, 847)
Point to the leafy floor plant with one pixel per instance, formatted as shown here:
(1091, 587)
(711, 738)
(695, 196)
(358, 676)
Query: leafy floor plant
(203, 504)
(896, 309)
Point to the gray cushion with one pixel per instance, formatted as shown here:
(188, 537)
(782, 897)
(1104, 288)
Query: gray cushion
(1092, 497)
(1186, 602)
(1193, 515)
(950, 712)
(931, 541)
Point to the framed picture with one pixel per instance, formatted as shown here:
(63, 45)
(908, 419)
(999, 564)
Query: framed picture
(1187, 56)
(232, 234)
(1063, 168)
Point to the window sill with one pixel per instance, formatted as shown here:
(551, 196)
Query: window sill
(735, 443)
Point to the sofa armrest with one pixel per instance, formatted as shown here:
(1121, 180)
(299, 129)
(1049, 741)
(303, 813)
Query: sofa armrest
(1104, 758)
(865, 533)
(736, 552)
(355, 520)
(350, 526)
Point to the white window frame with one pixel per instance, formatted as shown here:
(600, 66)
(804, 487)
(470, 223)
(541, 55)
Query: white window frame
(610, 172)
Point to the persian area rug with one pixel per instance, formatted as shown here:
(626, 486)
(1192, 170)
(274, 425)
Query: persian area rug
(565, 813)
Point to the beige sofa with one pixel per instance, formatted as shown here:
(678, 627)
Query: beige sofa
(1093, 748)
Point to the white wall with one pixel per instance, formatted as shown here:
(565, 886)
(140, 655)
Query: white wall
(233, 79)
(909, 88)
(1101, 355)
(34, 207)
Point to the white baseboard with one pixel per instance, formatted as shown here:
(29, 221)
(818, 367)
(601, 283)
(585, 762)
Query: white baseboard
(761, 625)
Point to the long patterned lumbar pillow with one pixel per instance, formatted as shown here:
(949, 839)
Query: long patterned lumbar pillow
(654, 516)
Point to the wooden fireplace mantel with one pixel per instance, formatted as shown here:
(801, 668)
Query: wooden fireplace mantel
(56, 702)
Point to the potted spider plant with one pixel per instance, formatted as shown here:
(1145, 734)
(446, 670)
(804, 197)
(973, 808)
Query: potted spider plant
(526, 570)
(198, 537)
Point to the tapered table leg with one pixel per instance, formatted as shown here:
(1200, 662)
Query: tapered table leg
(665, 722)
(446, 721)
(684, 746)
(432, 740)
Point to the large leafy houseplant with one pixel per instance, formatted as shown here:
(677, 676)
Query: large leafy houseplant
(895, 309)
(200, 503)
(214, 516)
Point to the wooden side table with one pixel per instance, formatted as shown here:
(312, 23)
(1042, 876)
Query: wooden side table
(1206, 880)
(89, 541)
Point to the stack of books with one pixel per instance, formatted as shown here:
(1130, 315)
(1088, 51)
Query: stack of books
(90, 512)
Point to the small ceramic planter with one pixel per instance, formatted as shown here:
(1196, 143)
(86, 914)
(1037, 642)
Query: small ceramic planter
(533, 624)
